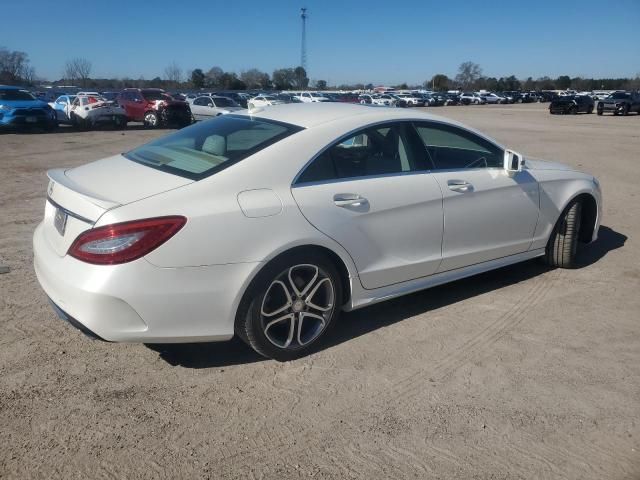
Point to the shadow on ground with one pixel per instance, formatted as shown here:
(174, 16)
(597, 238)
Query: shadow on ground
(360, 322)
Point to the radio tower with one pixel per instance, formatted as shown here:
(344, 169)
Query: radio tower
(303, 44)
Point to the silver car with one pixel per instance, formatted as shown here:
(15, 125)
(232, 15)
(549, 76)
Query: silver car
(206, 107)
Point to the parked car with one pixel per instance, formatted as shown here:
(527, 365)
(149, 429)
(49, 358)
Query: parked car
(437, 99)
(88, 110)
(620, 103)
(399, 101)
(206, 107)
(19, 109)
(154, 107)
(471, 98)
(411, 100)
(286, 98)
(312, 97)
(130, 243)
(367, 99)
(571, 104)
(493, 98)
(451, 99)
(109, 96)
(264, 101)
(240, 98)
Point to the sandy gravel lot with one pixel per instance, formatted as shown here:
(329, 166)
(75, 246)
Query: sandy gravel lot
(521, 373)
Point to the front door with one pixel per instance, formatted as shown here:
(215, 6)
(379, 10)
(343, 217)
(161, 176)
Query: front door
(488, 213)
(368, 193)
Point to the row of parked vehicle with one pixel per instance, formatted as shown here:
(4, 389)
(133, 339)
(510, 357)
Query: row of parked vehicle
(154, 107)
(617, 103)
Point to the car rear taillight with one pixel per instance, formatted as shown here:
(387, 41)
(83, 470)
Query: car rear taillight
(124, 242)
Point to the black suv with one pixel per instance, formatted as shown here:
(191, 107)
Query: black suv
(571, 104)
(620, 103)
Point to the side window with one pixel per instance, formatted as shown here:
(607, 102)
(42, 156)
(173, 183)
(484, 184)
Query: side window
(454, 148)
(202, 101)
(374, 151)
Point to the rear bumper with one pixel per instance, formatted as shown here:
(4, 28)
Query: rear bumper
(139, 302)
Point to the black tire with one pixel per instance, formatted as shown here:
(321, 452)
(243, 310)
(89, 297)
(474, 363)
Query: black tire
(590, 110)
(120, 123)
(573, 110)
(563, 243)
(599, 110)
(250, 320)
(625, 109)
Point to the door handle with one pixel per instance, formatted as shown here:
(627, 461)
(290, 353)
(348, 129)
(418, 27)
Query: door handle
(459, 186)
(349, 200)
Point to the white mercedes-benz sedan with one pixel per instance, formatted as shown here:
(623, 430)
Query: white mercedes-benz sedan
(266, 224)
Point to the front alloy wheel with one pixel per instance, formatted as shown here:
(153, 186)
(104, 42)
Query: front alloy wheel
(291, 307)
(151, 119)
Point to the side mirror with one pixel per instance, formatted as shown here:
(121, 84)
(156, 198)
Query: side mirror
(513, 162)
(209, 104)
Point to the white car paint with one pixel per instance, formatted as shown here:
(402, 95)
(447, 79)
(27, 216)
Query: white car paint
(311, 97)
(88, 107)
(264, 101)
(394, 233)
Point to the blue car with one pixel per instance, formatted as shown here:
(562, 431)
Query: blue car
(18, 108)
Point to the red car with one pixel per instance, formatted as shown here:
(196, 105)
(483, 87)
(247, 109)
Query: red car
(154, 107)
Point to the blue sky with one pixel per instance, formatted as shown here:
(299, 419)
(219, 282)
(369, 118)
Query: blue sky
(381, 42)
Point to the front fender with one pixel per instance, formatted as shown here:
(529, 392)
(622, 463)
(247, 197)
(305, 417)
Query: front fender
(557, 190)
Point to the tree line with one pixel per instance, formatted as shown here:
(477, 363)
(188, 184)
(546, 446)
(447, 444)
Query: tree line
(16, 69)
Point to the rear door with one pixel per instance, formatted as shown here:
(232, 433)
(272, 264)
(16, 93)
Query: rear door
(488, 214)
(370, 194)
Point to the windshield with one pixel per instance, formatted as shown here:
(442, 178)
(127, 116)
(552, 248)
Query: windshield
(205, 148)
(155, 95)
(620, 95)
(11, 94)
(225, 102)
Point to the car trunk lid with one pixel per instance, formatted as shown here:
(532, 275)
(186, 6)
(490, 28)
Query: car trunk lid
(78, 197)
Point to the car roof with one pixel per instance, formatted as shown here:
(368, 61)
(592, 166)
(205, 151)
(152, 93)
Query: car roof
(308, 115)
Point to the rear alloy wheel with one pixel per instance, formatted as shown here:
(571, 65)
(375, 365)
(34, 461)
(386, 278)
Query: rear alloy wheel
(599, 109)
(625, 109)
(563, 243)
(292, 306)
(151, 119)
(573, 110)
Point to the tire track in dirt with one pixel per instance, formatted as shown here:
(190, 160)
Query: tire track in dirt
(410, 386)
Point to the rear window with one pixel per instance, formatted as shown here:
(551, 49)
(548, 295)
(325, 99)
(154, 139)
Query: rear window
(11, 94)
(206, 148)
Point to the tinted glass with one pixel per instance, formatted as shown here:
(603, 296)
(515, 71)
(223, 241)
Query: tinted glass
(453, 148)
(373, 151)
(206, 148)
(155, 95)
(225, 102)
(11, 94)
(620, 95)
(202, 101)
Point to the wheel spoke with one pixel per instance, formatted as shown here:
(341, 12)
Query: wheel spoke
(301, 318)
(281, 309)
(302, 292)
(292, 326)
(309, 299)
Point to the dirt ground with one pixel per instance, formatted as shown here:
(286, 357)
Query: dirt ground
(522, 373)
